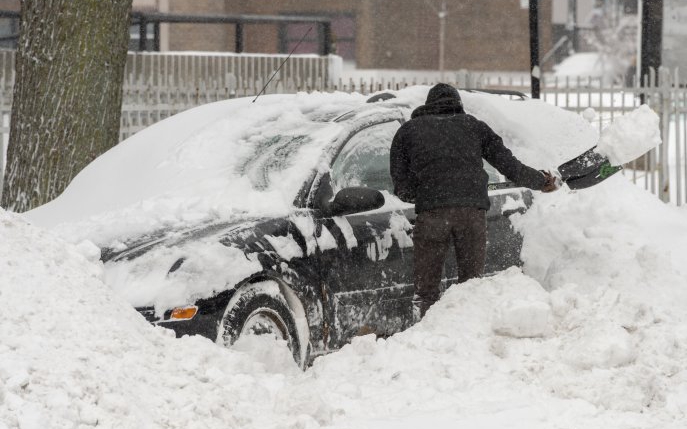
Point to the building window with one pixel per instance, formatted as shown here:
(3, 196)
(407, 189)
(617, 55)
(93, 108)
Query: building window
(630, 7)
(152, 37)
(343, 37)
(9, 33)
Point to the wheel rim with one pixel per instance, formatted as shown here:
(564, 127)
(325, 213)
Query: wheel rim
(265, 322)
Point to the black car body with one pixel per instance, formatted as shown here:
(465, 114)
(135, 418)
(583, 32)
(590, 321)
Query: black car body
(333, 268)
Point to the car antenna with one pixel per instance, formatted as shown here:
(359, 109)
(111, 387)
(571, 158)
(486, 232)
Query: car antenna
(282, 63)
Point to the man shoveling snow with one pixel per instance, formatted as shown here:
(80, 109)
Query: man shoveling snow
(436, 163)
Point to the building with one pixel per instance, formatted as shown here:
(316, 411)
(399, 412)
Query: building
(371, 34)
(398, 34)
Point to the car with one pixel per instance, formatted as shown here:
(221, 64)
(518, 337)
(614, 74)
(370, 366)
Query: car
(334, 264)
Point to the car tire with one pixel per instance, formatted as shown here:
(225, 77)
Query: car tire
(258, 310)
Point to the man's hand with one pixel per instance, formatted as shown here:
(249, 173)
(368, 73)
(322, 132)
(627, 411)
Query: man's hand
(551, 182)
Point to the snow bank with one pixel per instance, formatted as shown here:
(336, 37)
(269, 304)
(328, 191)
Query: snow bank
(73, 354)
(594, 336)
(583, 65)
(630, 136)
(586, 367)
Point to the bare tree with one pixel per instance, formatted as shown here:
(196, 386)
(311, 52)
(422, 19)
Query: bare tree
(614, 37)
(67, 95)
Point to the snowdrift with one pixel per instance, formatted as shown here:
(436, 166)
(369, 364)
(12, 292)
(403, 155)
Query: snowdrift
(592, 335)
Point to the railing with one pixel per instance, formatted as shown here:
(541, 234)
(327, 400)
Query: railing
(661, 170)
(158, 85)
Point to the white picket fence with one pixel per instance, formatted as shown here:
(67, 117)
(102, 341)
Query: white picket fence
(158, 85)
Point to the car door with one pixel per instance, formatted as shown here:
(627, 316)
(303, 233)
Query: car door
(503, 241)
(368, 280)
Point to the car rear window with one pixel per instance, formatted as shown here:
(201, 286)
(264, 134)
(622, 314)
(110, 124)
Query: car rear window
(271, 154)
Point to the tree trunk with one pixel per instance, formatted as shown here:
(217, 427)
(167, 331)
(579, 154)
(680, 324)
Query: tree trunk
(67, 95)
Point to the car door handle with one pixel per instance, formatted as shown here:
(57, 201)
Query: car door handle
(509, 213)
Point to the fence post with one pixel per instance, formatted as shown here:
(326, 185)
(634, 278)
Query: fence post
(666, 100)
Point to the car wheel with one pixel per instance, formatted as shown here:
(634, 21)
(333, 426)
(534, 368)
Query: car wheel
(260, 309)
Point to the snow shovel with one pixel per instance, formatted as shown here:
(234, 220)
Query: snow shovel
(583, 171)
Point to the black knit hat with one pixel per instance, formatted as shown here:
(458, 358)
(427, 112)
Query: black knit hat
(442, 91)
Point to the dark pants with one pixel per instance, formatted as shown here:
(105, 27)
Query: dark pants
(434, 229)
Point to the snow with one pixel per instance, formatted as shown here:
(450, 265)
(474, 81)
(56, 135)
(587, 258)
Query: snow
(235, 159)
(74, 354)
(580, 64)
(306, 225)
(347, 231)
(286, 247)
(630, 136)
(522, 318)
(147, 280)
(538, 135)
(400, 229)
(587, 65)
(513, 203)
(215, 161)
(591, 334)
(326, 241)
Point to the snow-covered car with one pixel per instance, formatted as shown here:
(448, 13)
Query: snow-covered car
(277, 217)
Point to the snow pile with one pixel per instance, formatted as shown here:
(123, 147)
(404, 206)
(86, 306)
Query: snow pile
(630, 136)
(616, 265)
(566, 359)
(540, 135)
(73, 354)
(584, 65)
(594, 336)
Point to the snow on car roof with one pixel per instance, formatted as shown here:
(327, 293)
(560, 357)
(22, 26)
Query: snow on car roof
(239, 158)
(204, 160)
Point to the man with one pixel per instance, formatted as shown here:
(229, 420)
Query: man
(436, 163)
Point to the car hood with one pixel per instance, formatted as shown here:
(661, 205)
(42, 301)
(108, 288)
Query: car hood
(178, 266)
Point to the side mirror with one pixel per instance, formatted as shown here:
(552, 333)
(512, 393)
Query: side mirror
(355, 200)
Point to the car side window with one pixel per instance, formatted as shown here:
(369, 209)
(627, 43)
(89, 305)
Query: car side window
(364, 160)
(494, 175)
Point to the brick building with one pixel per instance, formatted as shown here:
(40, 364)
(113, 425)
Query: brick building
(389, 34)
(488, 35)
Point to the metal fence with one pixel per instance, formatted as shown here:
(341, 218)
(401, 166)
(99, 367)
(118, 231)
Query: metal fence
(662, 170)
(158, 85)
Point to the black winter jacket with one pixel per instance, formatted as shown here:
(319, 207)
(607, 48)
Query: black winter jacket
(436, 158)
